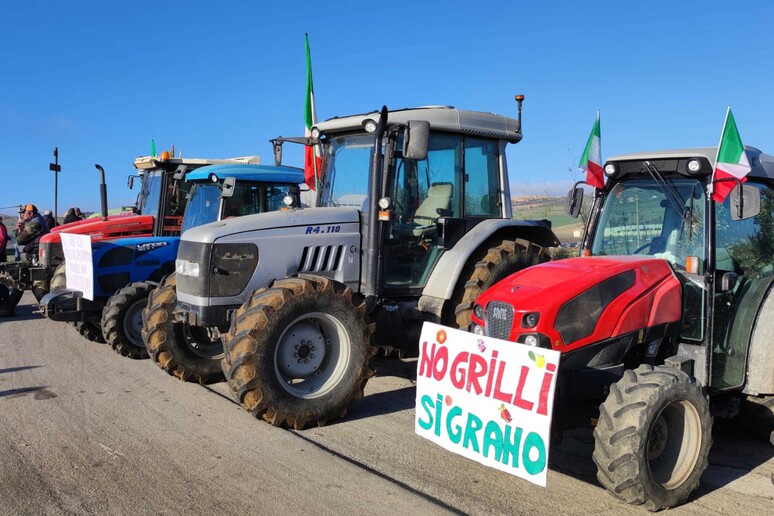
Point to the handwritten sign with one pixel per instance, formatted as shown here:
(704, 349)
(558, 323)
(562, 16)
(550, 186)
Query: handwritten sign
(487, 399)
(78, 264)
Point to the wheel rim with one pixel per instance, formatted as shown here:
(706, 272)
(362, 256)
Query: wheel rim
(132, 323)
(312, 355)
(674, 444)
(201, 343)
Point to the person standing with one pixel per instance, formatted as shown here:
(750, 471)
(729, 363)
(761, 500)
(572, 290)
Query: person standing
(50, 220)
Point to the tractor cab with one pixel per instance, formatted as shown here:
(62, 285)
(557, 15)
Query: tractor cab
(660, 205)
(670, 302)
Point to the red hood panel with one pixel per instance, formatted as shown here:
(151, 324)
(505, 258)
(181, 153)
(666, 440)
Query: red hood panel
(653, 297)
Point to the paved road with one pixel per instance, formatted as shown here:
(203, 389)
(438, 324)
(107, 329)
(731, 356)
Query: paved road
(85, 431)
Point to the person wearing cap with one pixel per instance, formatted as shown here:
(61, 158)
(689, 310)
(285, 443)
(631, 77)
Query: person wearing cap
(49, 218)
(30, 230)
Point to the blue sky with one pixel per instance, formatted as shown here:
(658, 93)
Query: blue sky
(219, 79)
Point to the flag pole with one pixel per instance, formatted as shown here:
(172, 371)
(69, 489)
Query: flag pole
(711, 185)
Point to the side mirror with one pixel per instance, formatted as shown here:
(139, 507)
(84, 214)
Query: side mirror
(745, 202)
(277, 144)
(728, 281)
(179, 172)
(130, 182)
(574, 201)
(228, 187)
(415, 138)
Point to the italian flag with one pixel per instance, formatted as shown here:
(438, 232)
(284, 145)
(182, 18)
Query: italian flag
(731, 162)
(312, 159)
(591, 161)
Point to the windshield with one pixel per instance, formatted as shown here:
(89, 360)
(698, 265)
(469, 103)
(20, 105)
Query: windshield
(203, 205)
(249, 197)
(148, 198)
(346, 169)
(638, 217)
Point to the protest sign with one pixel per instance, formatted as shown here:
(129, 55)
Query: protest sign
(78, 266)
(487, 399)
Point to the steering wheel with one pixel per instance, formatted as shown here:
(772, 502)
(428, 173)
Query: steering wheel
(644, 246)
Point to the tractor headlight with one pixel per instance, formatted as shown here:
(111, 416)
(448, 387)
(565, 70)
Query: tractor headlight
(611, 169)
(369, 125)
(534, 340)
(187, 268)
(478, 311)
(530, 320)
(315, 133)
(478, 329)
(694, 165)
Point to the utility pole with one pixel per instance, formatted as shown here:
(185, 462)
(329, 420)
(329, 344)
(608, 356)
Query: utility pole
(56, 168)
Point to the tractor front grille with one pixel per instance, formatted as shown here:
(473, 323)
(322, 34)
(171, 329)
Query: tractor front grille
(499, 320)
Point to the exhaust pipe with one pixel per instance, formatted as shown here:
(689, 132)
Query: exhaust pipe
(102, 192)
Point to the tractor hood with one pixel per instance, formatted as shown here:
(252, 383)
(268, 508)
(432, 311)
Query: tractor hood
(579, 301)
(310, 219)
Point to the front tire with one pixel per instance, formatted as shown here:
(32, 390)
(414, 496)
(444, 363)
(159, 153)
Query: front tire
(90, 330)
(653, 437)
(187, 352)
(498, 263)
(298, 352)
(122, 320)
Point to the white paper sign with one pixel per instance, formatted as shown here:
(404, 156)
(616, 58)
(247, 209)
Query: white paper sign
(78, 263)
(487, 399)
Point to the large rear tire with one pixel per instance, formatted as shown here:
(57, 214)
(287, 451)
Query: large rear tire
(653, 437)
(122, 320)
(189, 353)
(298, 353)
(498, 263)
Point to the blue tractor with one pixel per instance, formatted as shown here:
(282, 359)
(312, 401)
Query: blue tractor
(126, 270)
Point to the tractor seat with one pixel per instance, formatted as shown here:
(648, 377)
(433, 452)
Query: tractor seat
(436, 205)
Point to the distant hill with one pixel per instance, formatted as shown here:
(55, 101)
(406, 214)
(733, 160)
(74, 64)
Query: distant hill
(536, 207)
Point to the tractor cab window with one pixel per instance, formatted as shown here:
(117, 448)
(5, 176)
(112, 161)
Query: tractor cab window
(744, 248)
(174, 206)
(251, 198)
(346, 167)
(150, 194)
(423, 192)
(203, 205)
(482, 178)
(640, 218)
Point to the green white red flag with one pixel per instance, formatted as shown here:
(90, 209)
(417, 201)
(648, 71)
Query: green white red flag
(731, 162)
(312, 159)
(591, 160)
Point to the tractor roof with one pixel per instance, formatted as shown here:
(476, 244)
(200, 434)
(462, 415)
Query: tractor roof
(441, 118)
(148, 162)
(762, 164)
(245, 172)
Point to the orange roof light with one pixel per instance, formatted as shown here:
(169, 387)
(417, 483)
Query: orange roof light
(164, 155)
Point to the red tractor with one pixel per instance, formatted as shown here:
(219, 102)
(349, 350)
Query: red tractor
(664, 322)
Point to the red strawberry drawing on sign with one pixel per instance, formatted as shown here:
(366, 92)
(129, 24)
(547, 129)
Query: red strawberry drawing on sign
(504, 413)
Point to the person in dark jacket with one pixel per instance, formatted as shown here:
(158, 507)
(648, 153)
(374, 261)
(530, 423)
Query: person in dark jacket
(30, 230)
(73, 215)
(50, 220)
